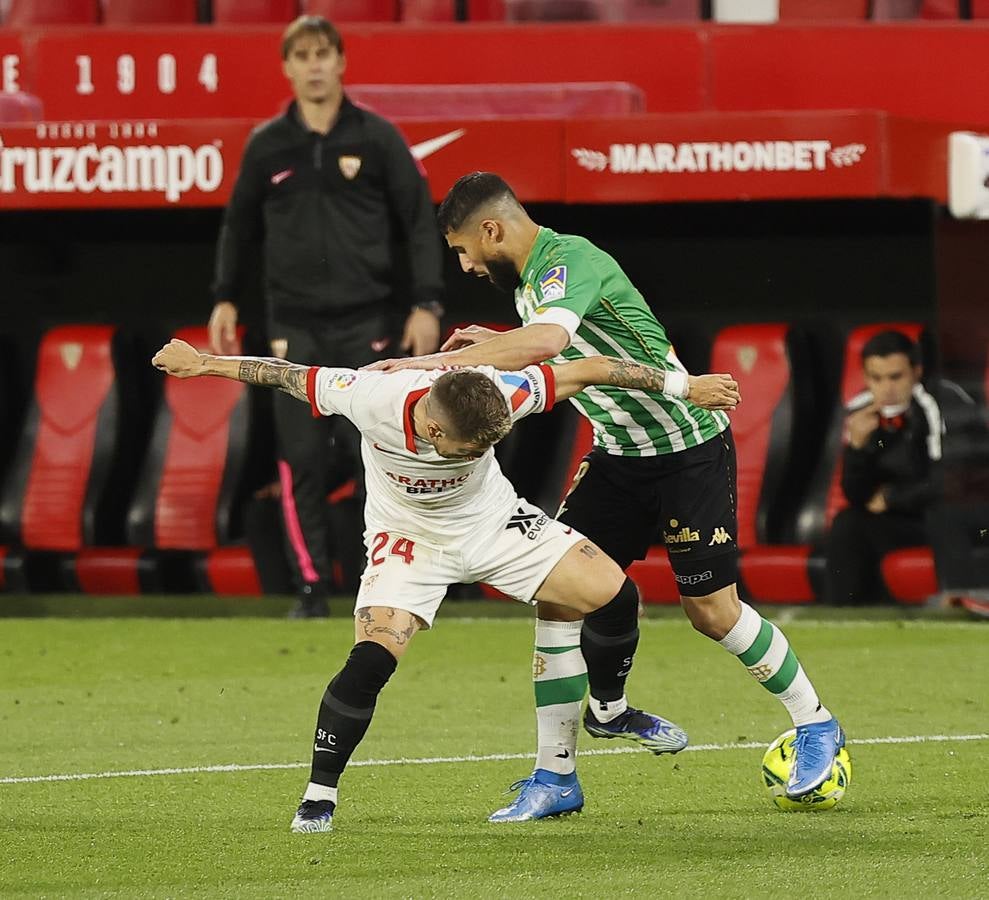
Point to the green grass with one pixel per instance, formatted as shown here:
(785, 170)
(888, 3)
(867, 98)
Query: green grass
(96, 695)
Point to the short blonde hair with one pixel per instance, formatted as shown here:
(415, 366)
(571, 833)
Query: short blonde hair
(476, 409)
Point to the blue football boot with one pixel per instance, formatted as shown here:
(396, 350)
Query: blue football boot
(543, 794)
(313, 815)
(815, 746)
(653, 732)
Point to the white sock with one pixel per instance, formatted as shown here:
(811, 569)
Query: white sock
(320, 792)
(559, 676)
(764, 650)
(606, 710)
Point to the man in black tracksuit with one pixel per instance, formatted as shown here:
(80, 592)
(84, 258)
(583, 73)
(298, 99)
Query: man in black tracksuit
(890, 470)
(342, 207)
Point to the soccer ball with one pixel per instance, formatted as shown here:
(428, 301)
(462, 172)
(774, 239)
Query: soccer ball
(776, 765)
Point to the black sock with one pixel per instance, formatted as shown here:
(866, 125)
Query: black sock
(346, 710)
(608, 640)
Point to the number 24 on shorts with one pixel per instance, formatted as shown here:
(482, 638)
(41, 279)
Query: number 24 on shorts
(402, 548)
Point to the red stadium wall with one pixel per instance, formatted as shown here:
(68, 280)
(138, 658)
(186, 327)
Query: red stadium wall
(924, 70)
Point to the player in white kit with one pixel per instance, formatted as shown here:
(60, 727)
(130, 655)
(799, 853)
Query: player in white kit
(439, 511)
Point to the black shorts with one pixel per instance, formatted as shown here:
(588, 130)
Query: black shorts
(684, 500)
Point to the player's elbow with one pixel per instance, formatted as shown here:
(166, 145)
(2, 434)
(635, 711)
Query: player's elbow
(546, 342)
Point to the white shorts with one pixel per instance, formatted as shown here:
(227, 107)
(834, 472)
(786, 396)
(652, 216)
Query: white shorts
(513, 556)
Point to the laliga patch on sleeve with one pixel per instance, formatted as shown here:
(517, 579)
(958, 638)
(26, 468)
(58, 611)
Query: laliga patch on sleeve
(554, 284)
(340, 381)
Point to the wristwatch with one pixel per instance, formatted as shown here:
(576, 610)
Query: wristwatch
(433, 306)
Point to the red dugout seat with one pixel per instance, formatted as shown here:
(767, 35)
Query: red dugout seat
(761, 357)
(149, 12)
(248, 12)
(429, 11)
(602, 10)
(25, 13)
(910, 575)
(74, 464)
(353, 10)
(486, 10)
(824, 10)
(884, 10)
(939, 9)
(188, 496)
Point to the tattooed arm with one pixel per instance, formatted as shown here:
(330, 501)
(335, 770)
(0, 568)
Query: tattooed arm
(707, 391)
(183, 361)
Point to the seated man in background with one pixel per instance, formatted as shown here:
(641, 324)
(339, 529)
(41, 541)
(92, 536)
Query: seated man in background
(889, 469)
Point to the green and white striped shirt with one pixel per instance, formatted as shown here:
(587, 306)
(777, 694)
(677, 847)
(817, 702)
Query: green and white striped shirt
(567, 281)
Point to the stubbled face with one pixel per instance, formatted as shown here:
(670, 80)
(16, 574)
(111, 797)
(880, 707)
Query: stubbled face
(891, 379)
(480, 254)
(315, 68)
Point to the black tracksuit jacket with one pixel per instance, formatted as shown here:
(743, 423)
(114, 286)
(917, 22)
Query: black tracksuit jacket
(336, 212)
(903, 458)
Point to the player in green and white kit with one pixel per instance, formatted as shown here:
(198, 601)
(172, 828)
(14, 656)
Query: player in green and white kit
(657, 461)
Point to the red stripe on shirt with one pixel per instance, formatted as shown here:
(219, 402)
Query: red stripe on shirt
(407, 423)
(550, 376)
(311, 390)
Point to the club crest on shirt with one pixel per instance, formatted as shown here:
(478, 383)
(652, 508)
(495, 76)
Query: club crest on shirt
(340, 381)
(554, 283)
(349, 166)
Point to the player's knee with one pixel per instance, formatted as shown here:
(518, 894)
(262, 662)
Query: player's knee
(713, 615)
(357, 685)
(619, 616)
(553, 612)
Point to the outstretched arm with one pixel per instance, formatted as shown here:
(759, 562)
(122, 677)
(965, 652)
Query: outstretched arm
(184, 361)
(706, 391)
(507, 350)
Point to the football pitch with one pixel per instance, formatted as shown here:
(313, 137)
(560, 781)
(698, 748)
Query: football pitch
(194, 737)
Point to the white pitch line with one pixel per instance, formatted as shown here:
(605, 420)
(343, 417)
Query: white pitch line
(437, 760)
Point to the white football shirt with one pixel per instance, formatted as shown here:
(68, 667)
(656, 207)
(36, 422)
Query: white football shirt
(411, 489)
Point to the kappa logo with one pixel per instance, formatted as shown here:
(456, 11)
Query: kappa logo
(694, 579)
(720, 536)
(553, 284)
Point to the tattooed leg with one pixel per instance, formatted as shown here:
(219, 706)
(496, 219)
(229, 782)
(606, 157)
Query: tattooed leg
(382, 635)
(392, 628)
